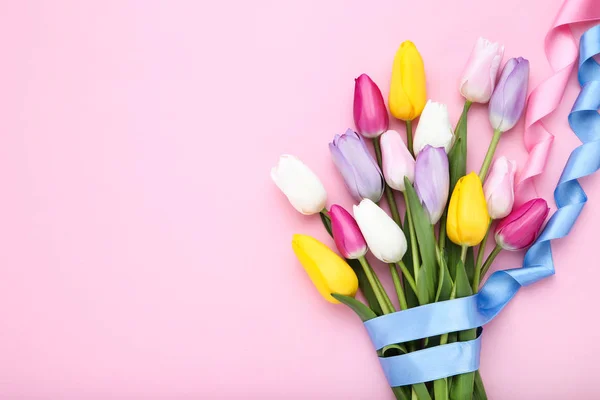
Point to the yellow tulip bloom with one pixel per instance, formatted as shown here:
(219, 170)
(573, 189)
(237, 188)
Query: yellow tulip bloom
(468, 217)
(407, 89)
(328, 271)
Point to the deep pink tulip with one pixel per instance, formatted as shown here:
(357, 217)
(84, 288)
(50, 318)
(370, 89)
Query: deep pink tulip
(346, 233)
(370, 115)
(521, 227)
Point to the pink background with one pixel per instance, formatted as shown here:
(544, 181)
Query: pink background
(145, 252)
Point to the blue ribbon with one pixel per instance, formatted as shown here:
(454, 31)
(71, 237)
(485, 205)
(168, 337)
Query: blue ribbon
(477, 310)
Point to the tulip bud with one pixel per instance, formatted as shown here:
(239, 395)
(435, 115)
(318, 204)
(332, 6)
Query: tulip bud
(360, 171)
(498, 188)
(479, 78)
(432, 181)
(384, 237)
(468, 218)
(302, 187)
(434, 128)
(407, 87)
(508, 100)
(370, 115)
(521, 227)
(346, 233)
(397, 160)
(328, 271)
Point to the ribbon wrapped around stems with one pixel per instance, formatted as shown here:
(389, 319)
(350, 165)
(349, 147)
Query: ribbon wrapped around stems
(477, 310)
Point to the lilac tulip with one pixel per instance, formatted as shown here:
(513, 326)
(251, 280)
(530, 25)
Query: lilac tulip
(397, 160)
(360, 171)
(370, 115)
(508, 100)
(346, 233)
(521, 227)
(432, 181)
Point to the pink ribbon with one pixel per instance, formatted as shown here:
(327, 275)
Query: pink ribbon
(561, 50)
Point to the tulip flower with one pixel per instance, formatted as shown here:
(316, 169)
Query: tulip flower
(432, 181)
(468, 218)
(397, 160)
(360, 171)
(346, 233)
(508, 100)
(434, 128)
(384, 237)
(302, 187)
(407, 88)
(507, 104)
(479, 77)
(328, 271)
(521, 227)
(370, 115)
(498, 188)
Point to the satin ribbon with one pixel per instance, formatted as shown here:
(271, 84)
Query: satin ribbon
(561, 51)
(479, 309)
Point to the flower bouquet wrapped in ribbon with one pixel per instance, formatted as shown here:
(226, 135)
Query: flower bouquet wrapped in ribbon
(433, 244)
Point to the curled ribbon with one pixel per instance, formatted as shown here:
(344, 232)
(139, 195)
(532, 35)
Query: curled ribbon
(561, 52)
(479, 309)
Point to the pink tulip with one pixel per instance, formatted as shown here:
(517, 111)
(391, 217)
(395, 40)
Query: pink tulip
(397, 160)
(370, 115)
(479, 77)
(521, 227)
(498, 188)
(346, 233)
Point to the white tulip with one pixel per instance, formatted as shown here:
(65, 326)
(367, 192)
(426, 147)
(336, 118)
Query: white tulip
(384, 237)
(434, 128)
(302, 187)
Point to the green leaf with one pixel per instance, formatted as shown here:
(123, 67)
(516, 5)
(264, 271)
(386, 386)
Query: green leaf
(401, 392)
(440, 389)
(470, 264)
(363, 282)
(462, 385)
(423, 287)
(422, 392)
(444, 282)
(364, 312)
(479, 392)
(393, 350)
(425, 237)
(327, 223)
(411, 296)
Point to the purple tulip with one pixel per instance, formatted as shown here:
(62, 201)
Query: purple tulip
(432, 181)
(508, 100)
(520, 228)
(361, 173)
(346, 233)
(370, 115)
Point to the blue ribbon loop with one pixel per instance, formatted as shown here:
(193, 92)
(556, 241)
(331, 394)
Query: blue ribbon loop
(477, 310)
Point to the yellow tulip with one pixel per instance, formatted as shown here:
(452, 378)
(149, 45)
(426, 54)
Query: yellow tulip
(328, 271)
(407, 89)
(468, 217)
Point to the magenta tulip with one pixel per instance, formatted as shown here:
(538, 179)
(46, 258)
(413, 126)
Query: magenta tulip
(370, 115)
(520, 228)
(346, 233)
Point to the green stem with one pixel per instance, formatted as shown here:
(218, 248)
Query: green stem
(388, 190)
(413, 238)
(489, 155)
(480, 253)
(409, 136)
(376, 288)
(407, 276)
(442, 232)
(463, 254)
(398, 287)
(488, 263)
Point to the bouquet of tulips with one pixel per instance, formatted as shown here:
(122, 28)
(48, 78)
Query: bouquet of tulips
(437, 251)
